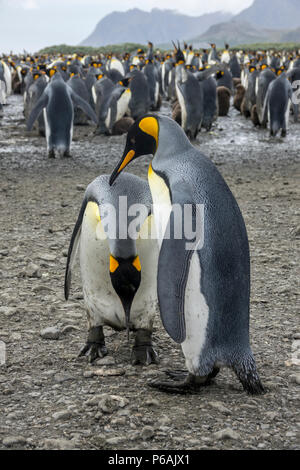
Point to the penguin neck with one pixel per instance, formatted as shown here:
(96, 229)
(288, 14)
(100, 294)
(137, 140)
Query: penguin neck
(172, 141)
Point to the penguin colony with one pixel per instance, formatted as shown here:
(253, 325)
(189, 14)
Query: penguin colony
(202, 294)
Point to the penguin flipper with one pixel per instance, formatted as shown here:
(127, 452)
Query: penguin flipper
(42, 103)
(84, 105)
(73, 248)
(173, 269)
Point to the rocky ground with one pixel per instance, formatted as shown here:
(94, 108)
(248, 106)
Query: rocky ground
(50, 399)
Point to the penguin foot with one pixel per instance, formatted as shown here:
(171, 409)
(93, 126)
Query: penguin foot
(95, 344)
(191, 384)
(179, 375)
(67, 154)
(143, 351)
(248, 376)
(51, 154)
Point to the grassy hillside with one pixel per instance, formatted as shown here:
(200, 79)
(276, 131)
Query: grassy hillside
(86, 50)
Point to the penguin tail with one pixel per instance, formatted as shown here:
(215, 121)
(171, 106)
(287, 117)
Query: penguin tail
(247, 374)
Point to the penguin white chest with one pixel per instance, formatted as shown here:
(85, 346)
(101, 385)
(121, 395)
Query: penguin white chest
(196, 317)
(162, 205)
(101, 300)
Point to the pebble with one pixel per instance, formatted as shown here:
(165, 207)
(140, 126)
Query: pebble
(61, 415)
(114, 440)
(51, 332)
(111, 403)
(59, 444)
(13, 441)
(227, 433)
(32, 270)
(147, 433)
(103, 372)
(217, 405)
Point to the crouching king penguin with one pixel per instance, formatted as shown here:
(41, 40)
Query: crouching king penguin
(203, 292)
(118, 260)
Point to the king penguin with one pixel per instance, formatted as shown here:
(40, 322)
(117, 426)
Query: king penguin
(204, 290)
(57, 102)
(118, 259)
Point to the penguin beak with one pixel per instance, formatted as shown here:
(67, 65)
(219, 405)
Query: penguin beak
(126, 158)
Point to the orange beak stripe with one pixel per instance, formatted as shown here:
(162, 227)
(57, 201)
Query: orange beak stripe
(127, 160)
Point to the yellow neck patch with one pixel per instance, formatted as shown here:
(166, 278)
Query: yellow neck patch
(149, 125)
(137, 264)
(113, 264)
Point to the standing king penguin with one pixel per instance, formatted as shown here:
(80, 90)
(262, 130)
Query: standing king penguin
(116, 291)
(204, 293)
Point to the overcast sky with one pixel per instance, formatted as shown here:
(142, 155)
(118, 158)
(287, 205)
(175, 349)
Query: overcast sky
(33, 24)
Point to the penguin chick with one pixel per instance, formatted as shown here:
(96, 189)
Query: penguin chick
(223, 100)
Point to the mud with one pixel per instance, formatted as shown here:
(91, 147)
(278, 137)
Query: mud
(50, 399)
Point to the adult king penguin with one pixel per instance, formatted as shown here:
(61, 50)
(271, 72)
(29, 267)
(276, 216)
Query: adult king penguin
(118, 264)
(203, 293)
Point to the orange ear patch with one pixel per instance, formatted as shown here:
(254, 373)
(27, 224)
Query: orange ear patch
(149, 125)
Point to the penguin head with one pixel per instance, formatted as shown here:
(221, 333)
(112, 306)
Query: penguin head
(125, 276)
(142, 139)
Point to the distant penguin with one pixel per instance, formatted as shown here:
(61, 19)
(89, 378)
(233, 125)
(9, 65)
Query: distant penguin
(57, 102)
(223, 100)
(190, 96)
(31, 98)
(118, 264)
(102, 91)
(140, 94)
(79, 87)
(277, 105)
(224, 78)
(210, 102)
(152, 78)
(235, 67)
(118, 107)
(263, 81)
(250, 95)
(213, 57)
(203, 288)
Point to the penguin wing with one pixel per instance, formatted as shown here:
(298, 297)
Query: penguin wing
(173, 267)
(73, 248)
(84, 105)
(42, 103)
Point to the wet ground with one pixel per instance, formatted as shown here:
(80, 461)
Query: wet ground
(49, 399)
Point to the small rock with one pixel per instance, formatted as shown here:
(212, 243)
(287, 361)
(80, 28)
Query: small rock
(114, 440)
(13, 441)
(47, 257)
(217, 405)
(32, 270)
(227, 433)
(147, 433)
(103, 372)
(51, 332)
(106, 361)
(61, 415)
(59, 444)
(111, 403)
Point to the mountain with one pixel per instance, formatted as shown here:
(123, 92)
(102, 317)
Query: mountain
(158, 26)
(236, 32)
(274, 14)
(291, 36)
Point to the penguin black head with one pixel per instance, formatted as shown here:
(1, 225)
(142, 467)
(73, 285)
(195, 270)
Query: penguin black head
(142, 139)
(125, 275)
